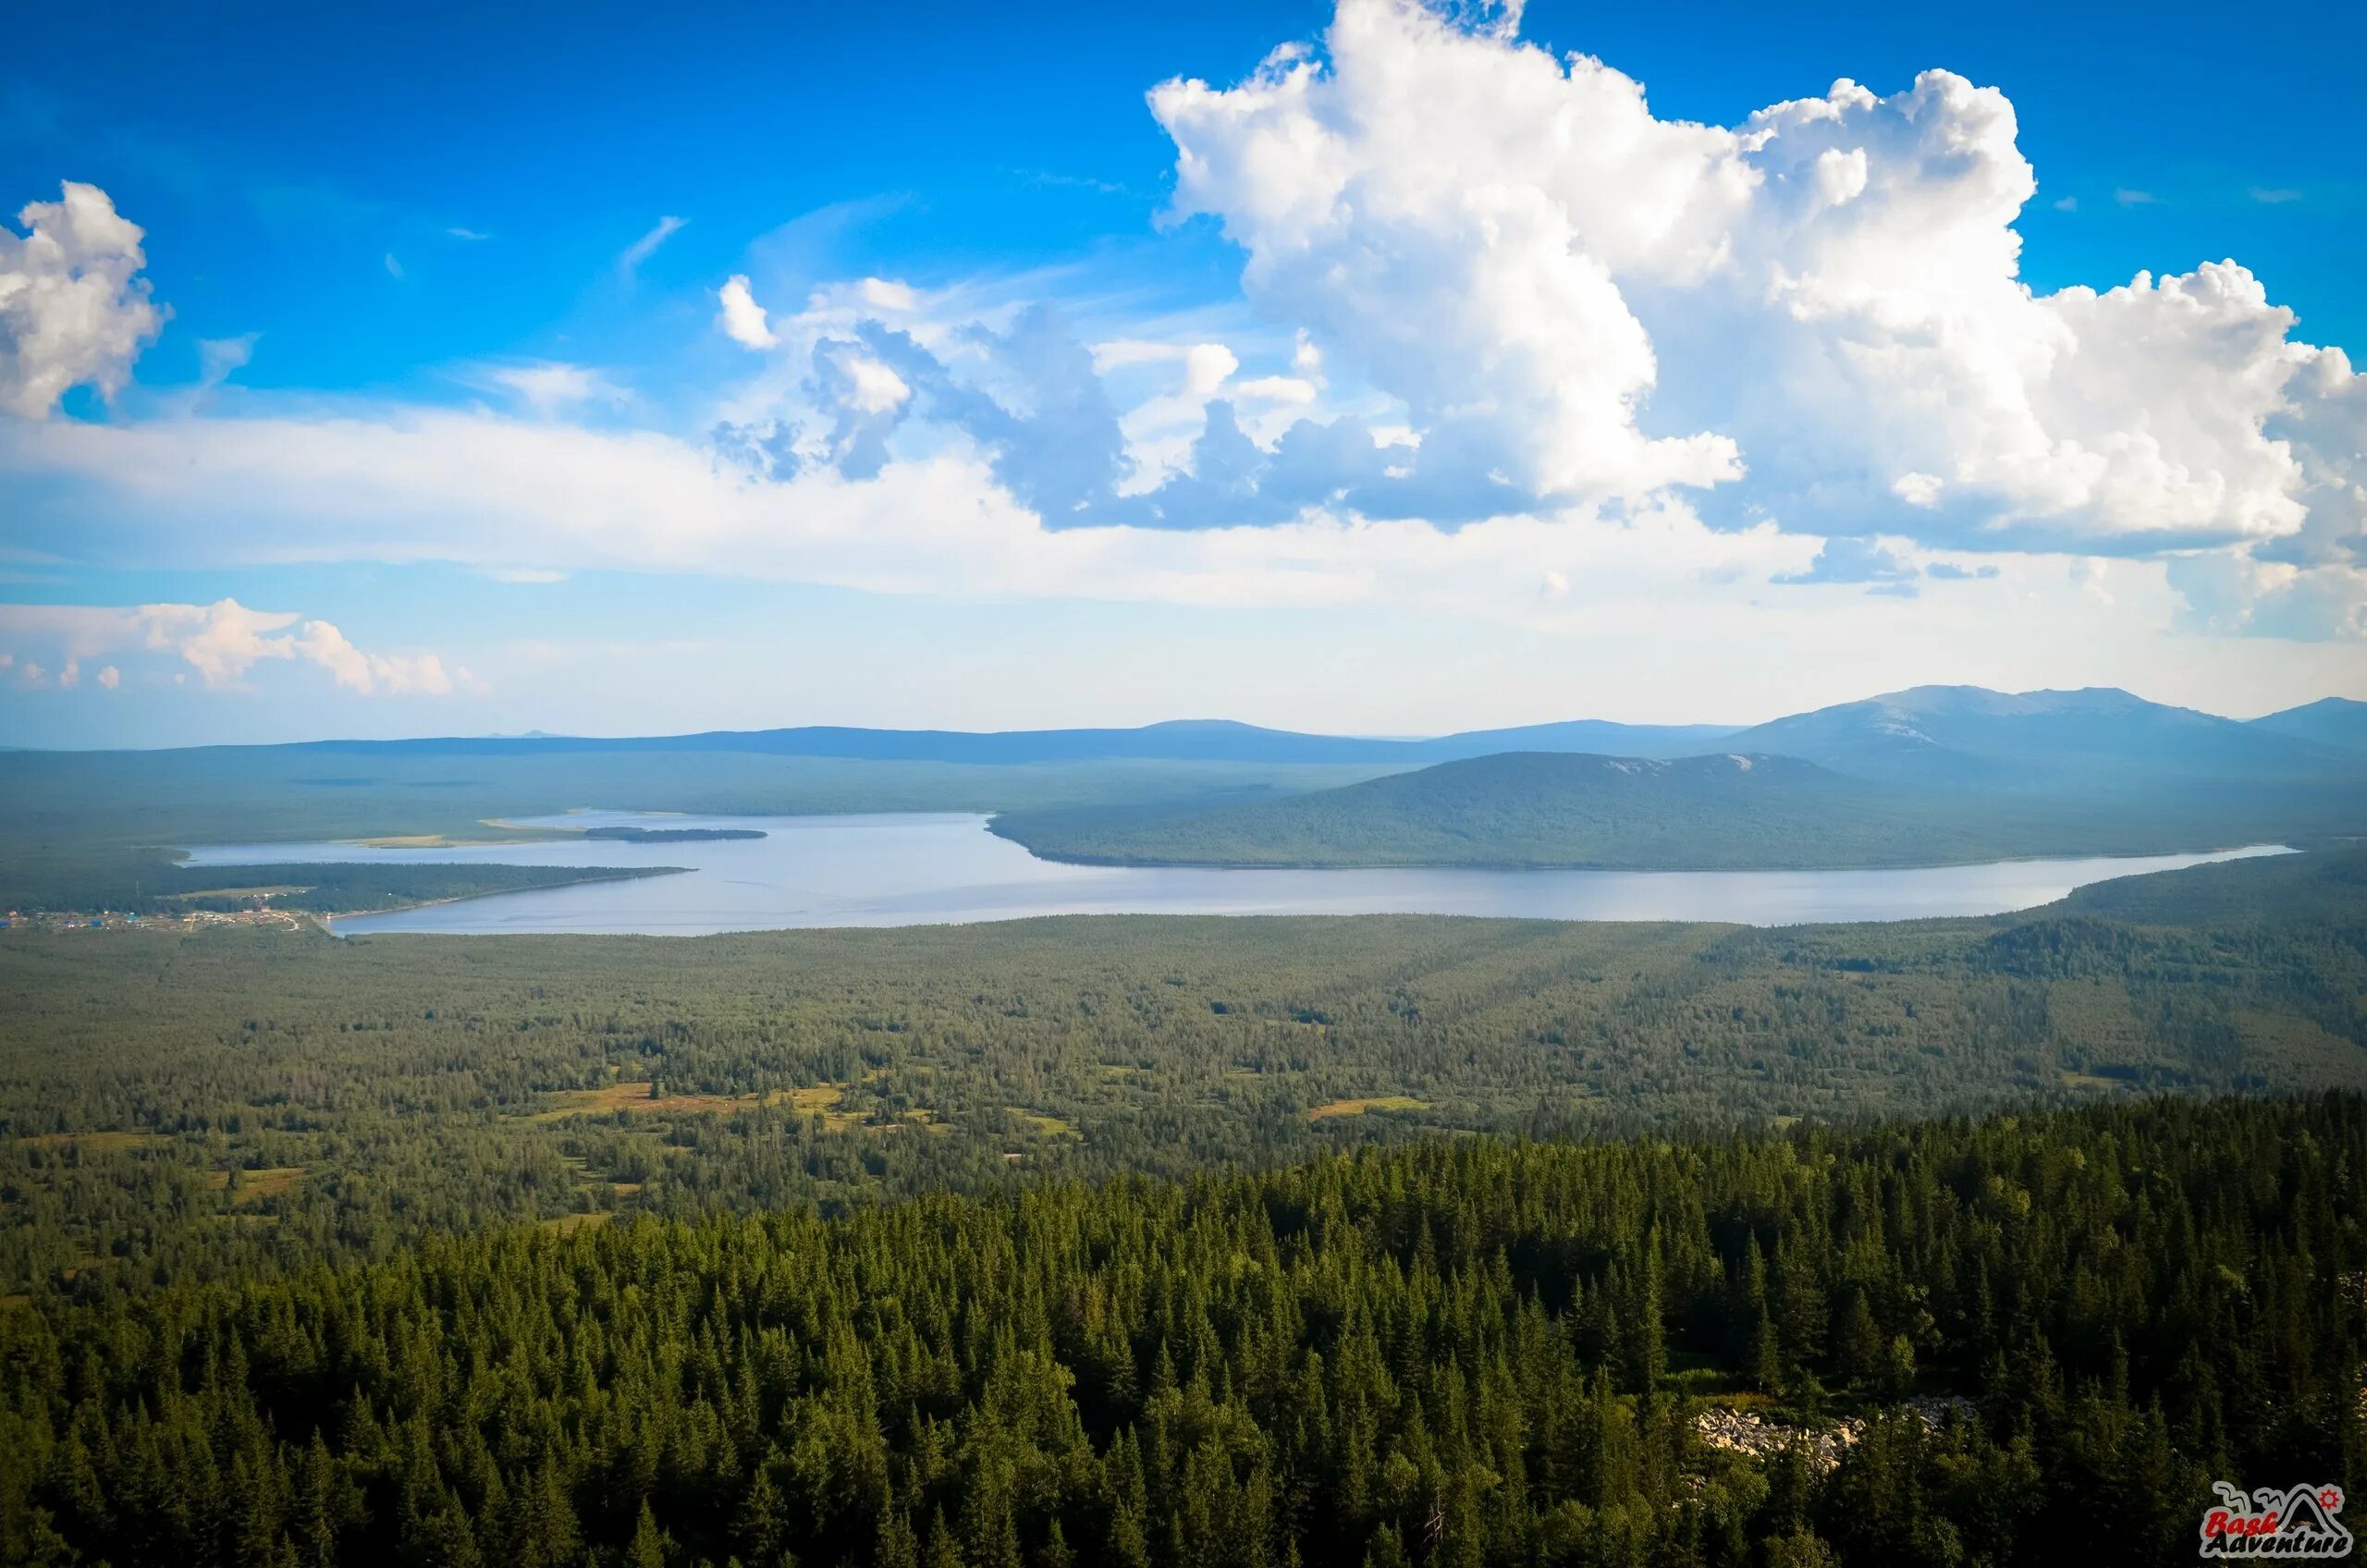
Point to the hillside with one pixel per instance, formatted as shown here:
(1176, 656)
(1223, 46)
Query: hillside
(1536, 809)
(2336, 721)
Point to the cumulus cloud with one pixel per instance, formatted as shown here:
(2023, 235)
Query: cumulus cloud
(220, 643)
(741, 318)
(1576, 297)
(1499, 295)
(73, 309)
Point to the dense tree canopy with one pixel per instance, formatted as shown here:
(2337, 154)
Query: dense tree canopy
(1460, 1352)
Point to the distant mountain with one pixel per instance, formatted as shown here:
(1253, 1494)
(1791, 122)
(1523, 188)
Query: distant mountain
(1536, 809)
(1203, 740)
(2337, 721)
(1961, 737)
(2094, 738)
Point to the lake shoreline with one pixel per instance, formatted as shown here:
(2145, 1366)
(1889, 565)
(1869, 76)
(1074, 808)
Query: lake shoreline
(951, 868)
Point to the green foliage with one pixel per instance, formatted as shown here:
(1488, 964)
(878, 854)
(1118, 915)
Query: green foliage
(239, 1101)
(1446, 1352)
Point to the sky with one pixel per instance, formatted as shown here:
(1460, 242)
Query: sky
(1376, 368)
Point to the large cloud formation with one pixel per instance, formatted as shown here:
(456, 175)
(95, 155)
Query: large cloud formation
(1567, 291)
(73, 310)
(1562, 301)
(1533, 350)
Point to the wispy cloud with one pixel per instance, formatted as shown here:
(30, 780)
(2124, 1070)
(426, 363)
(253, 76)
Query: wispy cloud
(2131, 198)
(458, 233)
(2274, 196)
(394, 268)
(546, 386)
(219, 358)
(629, 259)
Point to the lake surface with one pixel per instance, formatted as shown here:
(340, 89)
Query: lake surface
(929, 868)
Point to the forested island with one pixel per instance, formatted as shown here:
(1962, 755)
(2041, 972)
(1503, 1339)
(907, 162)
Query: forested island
(357, 886)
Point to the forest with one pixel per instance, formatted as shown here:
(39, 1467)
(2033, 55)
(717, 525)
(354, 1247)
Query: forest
(1372, 1242)
(236, 1102)
(2031, 1340)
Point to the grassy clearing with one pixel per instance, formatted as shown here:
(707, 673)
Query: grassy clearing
(1331, 1108)
(827, 1101)
(634, 1095)
(258, 1185)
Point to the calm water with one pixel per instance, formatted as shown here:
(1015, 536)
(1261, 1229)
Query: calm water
(918, 869)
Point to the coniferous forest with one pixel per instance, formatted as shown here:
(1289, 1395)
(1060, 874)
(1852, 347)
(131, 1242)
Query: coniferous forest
(2050, 1333)
(1365, 1241)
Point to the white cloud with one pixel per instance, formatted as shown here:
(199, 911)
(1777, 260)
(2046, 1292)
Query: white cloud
(1208, 366)
(73, 309)
(394, 268)
(741, 318)
(1276, 389)
(220, 358)
(221, 642)
(549, 387)
(1919, 489)
(886, 294)
(1590, 300)
(470, 234)
(874, 388)
(2129, 198)
(1516, 304)
(325, 646)
(629, 260)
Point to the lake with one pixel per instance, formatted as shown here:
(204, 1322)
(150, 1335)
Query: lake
(931, 868)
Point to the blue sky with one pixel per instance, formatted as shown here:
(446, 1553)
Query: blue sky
(1102, 441)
